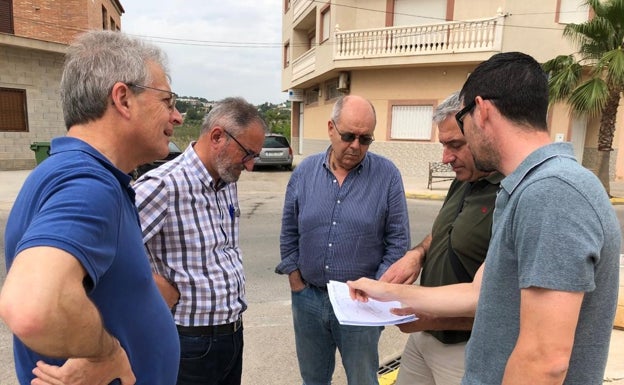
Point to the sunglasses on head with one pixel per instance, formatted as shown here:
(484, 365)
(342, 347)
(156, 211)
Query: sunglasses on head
(349, 137)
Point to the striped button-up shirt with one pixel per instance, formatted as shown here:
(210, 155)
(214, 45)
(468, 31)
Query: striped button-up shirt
(190, 230)
(334, 232)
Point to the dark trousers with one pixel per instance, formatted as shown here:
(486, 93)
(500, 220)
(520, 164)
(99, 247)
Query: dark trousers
(211, 359)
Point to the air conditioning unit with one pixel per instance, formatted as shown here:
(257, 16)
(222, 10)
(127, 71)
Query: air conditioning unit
(343, 81)
(295, 95)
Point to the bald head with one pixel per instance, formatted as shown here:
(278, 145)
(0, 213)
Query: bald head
(354, 105)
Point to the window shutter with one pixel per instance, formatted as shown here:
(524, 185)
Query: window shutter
(13, 112)
(6, 16)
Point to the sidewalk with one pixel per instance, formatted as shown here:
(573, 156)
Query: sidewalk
(416, 188)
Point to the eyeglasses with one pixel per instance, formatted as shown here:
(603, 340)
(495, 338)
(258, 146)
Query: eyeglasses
(171, 102)
(459, 117)
(249, 155)
(349, 137)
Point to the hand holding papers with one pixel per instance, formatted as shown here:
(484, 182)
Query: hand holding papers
(371, 313)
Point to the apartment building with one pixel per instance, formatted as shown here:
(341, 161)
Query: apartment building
(406, 56)
(33, 39)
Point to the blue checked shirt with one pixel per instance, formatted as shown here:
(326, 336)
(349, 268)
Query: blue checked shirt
(343, 232)
(190, 230)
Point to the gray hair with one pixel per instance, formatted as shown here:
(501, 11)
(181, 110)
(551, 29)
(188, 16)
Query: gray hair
(234, 114)
(97, 60)
(450, 106)
(337, 110)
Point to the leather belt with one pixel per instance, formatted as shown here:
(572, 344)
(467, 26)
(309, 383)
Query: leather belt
(211, 330)
(322, 288)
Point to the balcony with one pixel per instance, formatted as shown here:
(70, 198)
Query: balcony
(299, 6)
(304, 64)
(444, 38)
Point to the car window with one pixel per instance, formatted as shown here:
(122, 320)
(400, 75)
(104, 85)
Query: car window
(275, 142)
(173, 147)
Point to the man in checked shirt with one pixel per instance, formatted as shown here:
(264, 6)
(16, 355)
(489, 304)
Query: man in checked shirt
(190, 219)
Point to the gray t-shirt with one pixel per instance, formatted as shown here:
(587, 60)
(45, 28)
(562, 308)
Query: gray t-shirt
(554, 228)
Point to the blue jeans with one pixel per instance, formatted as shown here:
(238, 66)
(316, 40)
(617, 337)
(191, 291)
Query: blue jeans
(318, 334)
(211, 360)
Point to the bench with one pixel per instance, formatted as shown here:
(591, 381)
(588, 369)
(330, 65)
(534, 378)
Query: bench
(439, 172)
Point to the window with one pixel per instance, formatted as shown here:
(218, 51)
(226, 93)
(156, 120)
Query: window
(325, 23)
(409, 12)
(113, 26)
(572, 11)
(411, 122)
(311, 95)
(286, 5)
(331, 89)
(6, 16)
(286, 54)
(104, 18)
(13, 111)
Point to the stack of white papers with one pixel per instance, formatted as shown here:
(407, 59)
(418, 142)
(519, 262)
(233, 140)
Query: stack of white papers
(371, 313)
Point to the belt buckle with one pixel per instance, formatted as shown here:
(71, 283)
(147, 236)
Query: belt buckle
(237, 324)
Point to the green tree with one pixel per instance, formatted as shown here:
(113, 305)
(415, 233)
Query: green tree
(194, 114)
(592, 80)
(276, 117)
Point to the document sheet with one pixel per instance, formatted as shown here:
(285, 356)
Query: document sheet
(371, 313)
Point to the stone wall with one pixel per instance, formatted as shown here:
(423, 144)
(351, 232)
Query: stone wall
(39, 73)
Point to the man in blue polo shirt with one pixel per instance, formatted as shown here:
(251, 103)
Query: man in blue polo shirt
(79, 294)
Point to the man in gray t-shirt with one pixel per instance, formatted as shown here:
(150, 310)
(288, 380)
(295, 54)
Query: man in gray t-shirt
(547, 292)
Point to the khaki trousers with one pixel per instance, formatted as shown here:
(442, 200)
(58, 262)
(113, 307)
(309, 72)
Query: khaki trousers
(427, 361)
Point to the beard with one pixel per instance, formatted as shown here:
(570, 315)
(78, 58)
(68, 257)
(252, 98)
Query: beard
(486, 159)
(484, 165)
(228, 171)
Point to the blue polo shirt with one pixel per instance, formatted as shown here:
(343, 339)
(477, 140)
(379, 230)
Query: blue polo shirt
(77, 201)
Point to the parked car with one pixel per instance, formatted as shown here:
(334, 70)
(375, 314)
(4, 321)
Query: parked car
(276, 151)
(174, 151)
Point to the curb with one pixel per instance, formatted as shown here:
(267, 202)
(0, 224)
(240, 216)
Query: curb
(433, 197)
(617, 201)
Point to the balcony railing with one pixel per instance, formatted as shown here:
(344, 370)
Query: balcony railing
(299, 6)
(304, 64)
(444, 38)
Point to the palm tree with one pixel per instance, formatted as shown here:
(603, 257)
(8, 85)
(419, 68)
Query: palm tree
(592, 80)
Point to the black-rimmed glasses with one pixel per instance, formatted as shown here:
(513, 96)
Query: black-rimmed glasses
(171, 102)
(249, 155)
(459, 117)
(349, 137)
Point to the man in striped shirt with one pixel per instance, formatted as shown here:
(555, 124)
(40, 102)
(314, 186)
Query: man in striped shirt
(190, 219)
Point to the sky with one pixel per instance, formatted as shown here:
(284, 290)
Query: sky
(216, 49)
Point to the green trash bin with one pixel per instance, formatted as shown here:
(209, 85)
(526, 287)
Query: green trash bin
(42, 151)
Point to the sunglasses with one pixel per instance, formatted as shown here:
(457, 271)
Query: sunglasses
(249, 155)
(459, 117)
(349, 137)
